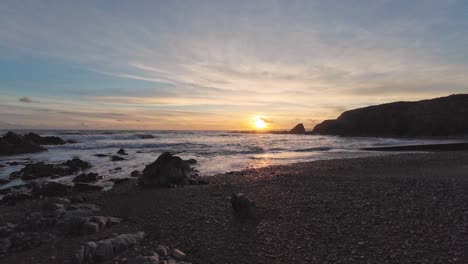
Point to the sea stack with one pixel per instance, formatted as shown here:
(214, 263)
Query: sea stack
(298, 129)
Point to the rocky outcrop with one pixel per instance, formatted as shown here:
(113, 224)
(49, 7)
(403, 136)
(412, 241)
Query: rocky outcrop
(445, 116)
(116, 158)
(90, 177)
(41, 169)
(87, 187)
(243, 207)
(122, 152)
(44, 140)
(166, 170)
(13, 144)
(298, 129)
(106, 249)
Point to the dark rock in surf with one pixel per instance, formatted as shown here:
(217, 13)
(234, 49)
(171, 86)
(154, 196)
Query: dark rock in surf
(116, 158)
(41, 169)
(51, 140)
(122, 152)
(165, 171)
(135, 173)
(298, 129)
(51, 188)
(243, 207)
(145, 136)
(13, 144)
(90, 177)
(445, 116)
(191, 161)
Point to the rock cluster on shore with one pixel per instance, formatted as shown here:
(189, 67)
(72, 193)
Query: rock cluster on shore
(13, 144)
(445, 116)
(41, 169)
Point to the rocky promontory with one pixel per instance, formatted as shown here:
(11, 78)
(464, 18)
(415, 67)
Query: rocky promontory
(13, 144)
(445, 116)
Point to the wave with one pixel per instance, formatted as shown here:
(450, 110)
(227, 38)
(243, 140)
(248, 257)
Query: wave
(313, 149)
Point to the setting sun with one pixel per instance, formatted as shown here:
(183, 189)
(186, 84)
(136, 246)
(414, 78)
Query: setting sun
(259, 123)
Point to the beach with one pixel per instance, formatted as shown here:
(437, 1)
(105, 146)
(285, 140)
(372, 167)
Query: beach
(398, 208)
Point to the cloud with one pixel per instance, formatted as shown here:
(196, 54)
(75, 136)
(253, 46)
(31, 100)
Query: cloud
(26, 99)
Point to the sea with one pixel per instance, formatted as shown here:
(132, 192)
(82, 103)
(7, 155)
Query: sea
(216, 152)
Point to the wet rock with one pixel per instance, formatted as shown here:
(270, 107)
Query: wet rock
(87, 187)
(122, 152)
(51, 188)
(106, 249)
(166, 170)
(298, 129)
(135, 173)
(44, 140)
(178, 254)
(162, 251)
(145, 136)
(116, 158)
(4, 181)
(120, 181)
(13, 144)
(191, 161)
(1, 166)
(100, 155)
(41, 169)
(12, 198)
(90, 177)
(243, 207)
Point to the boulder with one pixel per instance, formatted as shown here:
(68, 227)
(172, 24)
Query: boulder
(90, 177)
(145, 136)
(152, 259)
(51, 188)
(122, 152)
(13, 144)
(165, 171)
(106, 249)
(243, 207)
(116, 158)
(44, 140)
(41, 169)
(445, 116)
(135, 173)
(298, 129)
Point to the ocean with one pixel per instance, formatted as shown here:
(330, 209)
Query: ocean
(216, 152)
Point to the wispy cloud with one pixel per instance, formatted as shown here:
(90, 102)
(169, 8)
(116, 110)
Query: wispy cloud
(26, 99)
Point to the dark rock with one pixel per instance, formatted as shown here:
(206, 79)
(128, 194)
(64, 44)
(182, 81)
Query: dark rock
(152, 259)
(13, 144)
(298, 129)
(162, 251)
(1, 165)
(12, 198)
(243, 207)
(191, 161)
(145, 136)
(135, 173)
(51, 188)
(120, 181)
(14, 163)
(116, 158)
(445, 116)
(100, 155)
(90, 177)
(44, 140)
(71, 141)
(107, 249)
(87, 187)
(122, 152)
(41, 169)
(165, 171)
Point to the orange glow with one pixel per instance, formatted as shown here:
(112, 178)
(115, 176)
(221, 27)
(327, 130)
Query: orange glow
(259, 123)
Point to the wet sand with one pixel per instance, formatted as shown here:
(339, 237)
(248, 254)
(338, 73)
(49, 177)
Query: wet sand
(463, 146)
(406, 208)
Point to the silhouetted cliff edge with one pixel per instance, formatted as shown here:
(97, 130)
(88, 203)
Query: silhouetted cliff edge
(444, 116)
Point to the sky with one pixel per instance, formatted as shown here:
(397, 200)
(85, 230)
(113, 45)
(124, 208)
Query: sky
(222, 64)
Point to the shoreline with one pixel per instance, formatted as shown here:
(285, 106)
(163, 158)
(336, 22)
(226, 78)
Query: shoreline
(386, 209)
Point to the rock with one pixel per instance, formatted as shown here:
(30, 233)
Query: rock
(145, 136)
(12, 198)
(243, 207)
(107, 249)
(41, 169)
(135, 173)
(178, 255)
(1, 165)
(122, 152)
(191, 161)
(44, 140)
(13, 144)
(51, 188)
(87, 187)
(120, 180)
(162, 251)
(89, 228)
(165, 171)
(298, 129)
(445, 116)
(152, 259)
(116, 158)
(90, 177)
(100, 155)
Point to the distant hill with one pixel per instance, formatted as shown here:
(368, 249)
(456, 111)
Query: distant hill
(445, 116)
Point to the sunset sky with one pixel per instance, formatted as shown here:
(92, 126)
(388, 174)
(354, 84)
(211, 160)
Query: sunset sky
(222, 64)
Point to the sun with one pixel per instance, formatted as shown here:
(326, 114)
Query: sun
(259, 123)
